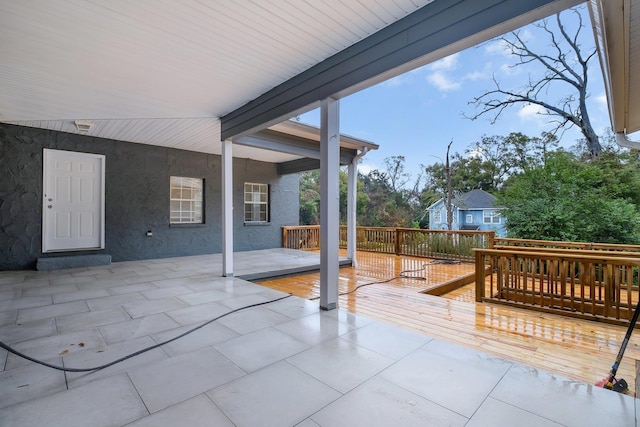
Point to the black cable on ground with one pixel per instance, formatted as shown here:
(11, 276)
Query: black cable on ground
(144, 350)
(402, 275)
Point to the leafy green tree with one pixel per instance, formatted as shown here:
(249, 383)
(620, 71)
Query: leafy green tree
(383, 209)
(310, 197)
(566, 199)
(394, 199)
(396, 176)
(362, 199)
(528, 152)
(487, 163)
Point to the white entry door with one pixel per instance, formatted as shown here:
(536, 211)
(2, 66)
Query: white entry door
(73, 204)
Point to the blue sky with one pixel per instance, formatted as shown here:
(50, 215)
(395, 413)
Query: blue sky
(418, 113)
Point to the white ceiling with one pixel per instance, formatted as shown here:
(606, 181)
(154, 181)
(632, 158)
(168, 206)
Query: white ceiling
(162, 72)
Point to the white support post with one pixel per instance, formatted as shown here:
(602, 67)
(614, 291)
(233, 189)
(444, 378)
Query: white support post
(352, 191)
(227, 208)
(329, 202)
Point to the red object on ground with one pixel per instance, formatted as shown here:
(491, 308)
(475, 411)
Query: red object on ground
(602, 382)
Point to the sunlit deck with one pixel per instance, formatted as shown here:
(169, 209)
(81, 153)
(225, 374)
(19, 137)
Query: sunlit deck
(285, 363)
(580, 349)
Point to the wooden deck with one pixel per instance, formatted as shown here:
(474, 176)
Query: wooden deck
(580, 349)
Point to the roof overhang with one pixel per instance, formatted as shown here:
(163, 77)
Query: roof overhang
(189, 74)
(436, 30)
(302, 143)
(616, 26)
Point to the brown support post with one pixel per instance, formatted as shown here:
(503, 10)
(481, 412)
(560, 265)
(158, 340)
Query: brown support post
(284, 237)
(608, 290)
(397, 242)
(480, 278)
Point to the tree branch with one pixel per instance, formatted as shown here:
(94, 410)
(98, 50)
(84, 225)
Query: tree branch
(559, 67)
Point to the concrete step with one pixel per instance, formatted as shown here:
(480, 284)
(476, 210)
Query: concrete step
(72, 261)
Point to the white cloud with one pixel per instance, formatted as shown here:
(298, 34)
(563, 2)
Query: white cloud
(441, 76)
(526, 35)
(501, 48)
(475, 75)
(400, 80)
(602, 100)
(533, 113)
(364, 169)
(445, 64)
(404, 79)
(443, 82)
(497, 47)
(475, 154)
(509, 70)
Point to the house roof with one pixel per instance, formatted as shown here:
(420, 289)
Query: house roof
(616, 25)
(474, 199)
(186, 74)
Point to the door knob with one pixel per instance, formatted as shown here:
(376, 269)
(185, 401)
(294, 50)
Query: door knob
(49, 206)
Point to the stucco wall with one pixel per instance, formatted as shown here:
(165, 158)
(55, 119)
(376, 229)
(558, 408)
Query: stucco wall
(136, 199)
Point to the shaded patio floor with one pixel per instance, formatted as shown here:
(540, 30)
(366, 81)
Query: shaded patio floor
(281, 364)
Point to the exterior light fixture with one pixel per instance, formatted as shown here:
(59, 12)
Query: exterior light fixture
(83, 126)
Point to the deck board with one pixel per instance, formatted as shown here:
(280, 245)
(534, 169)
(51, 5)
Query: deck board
(580, 349)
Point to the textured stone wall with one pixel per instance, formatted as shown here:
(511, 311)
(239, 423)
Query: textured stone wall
(136, 199)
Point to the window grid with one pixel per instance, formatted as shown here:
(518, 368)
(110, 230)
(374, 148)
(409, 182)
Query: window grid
(186, 195)
(469, 218)
(491, 217)
(256, 202)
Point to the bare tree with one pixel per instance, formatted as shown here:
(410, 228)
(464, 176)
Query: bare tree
(449, 190)
(398, 178)
(565, 63)
(401, 182)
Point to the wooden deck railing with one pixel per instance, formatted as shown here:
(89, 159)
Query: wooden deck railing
(301, 237)
(529, 243)
(454, 244)
(590, 284)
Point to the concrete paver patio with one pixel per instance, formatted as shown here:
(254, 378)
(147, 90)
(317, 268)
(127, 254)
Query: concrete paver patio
(284, 363)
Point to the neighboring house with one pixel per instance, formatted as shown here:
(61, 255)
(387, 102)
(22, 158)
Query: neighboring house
(474, 210)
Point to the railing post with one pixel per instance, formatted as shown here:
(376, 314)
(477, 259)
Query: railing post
(397, 241)
(480, 277)
(608, 290)
(492, 237)
(284, 237)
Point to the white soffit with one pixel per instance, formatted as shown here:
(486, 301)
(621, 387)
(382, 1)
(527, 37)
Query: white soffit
(633, 119)
(617, 32)
(163, 72)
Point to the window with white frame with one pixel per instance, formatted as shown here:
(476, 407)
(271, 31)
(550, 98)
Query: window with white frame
(492, 217)
(186, 196)
(256, 202)
(437, 216)
(469, 219)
